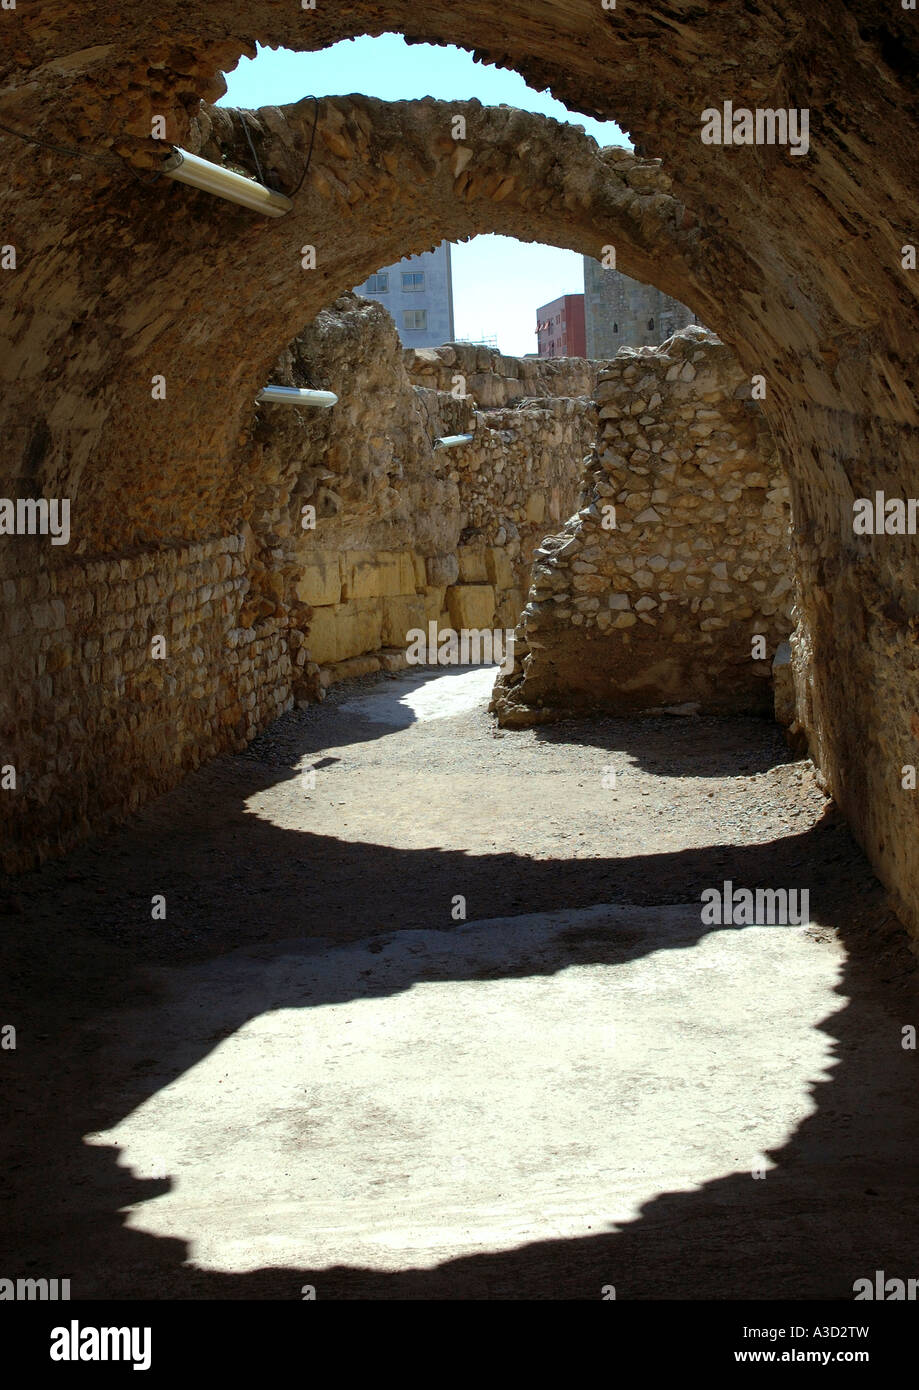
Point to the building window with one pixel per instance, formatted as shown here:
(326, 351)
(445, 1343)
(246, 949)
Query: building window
(378, 284)
(651, 324)
(412, 280)
(415, 320)
(615, 328)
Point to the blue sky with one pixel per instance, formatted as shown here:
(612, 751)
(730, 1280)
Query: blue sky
(498, 283)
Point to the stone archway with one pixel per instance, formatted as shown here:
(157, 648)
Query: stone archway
(206, 295)
(799, 268)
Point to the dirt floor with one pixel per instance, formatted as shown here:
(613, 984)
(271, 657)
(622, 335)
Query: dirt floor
(440, 1019)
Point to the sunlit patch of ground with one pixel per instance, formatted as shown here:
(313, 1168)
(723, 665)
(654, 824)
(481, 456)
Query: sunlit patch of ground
(462, 1091)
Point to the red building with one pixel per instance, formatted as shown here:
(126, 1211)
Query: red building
(560, 327)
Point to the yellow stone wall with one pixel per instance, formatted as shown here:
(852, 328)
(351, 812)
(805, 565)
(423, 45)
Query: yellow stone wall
(364, 602)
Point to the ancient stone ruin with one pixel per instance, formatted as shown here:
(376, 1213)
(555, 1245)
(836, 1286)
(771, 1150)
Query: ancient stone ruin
(474, 1036)
(204, 297)
(362, 530)
(451, 536)
(673, 583)
(356, 531)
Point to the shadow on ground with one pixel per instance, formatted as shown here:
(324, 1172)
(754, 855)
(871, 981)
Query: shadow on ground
(78, 942)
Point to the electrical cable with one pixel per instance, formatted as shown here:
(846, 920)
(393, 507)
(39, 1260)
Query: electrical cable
(309, 153)
(124, 164)
(258, 167)
(79, 154)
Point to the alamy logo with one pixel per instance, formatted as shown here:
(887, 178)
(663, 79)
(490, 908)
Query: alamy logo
(471, 646)
(76, 1343)
(741, 907)
(30, 1290)
(885, 1290)
(36, 516)
(890, 516)
(764, 126)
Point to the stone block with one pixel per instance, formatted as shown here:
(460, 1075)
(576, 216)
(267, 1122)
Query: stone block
(465, 357)
(471, 605)
(406, 572)
(346, 630)
(416, 359)
(472, 567)
(348, 670)
(498, 567)
(486, 389)
(320, 580)
(442, 569)
(369, 574)
(434, 602)
(401, 612)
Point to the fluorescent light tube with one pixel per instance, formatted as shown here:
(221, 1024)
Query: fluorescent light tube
(452, 441)
(293, 395)
(223, 183)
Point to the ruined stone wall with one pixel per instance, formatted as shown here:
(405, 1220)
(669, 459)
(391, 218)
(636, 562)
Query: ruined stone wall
(122, 673)
(407, 534)
(93, 723)
(520, 475)
(662, 607)
(494, 380)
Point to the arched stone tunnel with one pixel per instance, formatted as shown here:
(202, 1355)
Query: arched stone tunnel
(121, 276)
(795, 262)
(208, 295)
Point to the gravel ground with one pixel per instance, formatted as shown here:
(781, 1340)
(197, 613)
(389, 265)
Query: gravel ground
(417, 800)
(402, 819)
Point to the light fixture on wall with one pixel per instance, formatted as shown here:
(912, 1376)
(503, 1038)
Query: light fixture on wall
(223, 183)
(452, 441)
(294, 395)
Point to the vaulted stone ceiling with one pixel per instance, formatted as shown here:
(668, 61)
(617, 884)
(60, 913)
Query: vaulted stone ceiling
(135, 279)
(796, 262)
